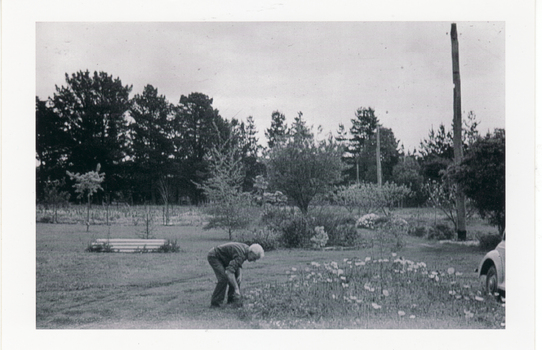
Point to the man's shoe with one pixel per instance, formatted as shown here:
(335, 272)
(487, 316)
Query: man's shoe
(215, 306)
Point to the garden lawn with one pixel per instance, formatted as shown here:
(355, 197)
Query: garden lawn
(76, 289)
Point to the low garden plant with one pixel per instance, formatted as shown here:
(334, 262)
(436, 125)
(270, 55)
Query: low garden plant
(364, 289)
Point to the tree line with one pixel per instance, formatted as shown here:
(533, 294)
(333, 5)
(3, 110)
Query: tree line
(153, 151)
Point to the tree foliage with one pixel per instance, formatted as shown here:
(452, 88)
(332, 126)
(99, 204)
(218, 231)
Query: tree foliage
(369, 197)
(302, 168)
(87, 184)
(224, 187)
(198, 128)
(150, 135)
(408, 173)
(482, 177)
(92, 109)
(278, 130)
(54, 196)
(360, 147)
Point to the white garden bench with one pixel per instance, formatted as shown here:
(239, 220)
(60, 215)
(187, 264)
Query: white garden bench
(121, 245)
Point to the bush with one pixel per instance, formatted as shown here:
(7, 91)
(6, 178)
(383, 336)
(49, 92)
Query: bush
(319, 240)
(489, 241)
(169, 247)
(440, 232)
(417, 231)
(99, 248)
(297, 233)
(46, 220)
(276, 217)
(340, 227)
(297, 230)
(345, 235)
(267, 237)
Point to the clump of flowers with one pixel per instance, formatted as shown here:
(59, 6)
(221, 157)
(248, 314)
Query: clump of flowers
(375, 288)
(319, 240)
(367, 221)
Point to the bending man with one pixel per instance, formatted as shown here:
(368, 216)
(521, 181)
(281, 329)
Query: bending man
(227, 261)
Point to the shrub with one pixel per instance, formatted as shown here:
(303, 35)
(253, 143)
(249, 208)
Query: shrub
(489, 241)
(267, 237)
(297, 232)
(99, 248)
(319, 240)
(440, 232)
(417, 231)
(390, 232)
(339, 226)
(169, 247)
(367, 221)
(345, 235)
(276, 217)
(46, 220)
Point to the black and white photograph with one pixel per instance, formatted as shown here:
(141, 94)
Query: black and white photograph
(226, 175)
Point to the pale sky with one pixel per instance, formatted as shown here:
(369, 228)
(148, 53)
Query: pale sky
(326, 70)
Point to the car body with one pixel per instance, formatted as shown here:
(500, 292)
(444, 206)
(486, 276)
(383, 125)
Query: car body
(492, 270)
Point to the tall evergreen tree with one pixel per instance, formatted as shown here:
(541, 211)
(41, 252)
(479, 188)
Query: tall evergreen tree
(278, 130)
(52, 147)
(362, 133)
(198, 127)
(92, 109)
(152, 144)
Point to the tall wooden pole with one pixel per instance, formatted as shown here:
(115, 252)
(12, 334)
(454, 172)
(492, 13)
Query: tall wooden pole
(457, 125)
(378, 162)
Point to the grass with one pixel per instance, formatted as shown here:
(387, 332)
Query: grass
(81, 290)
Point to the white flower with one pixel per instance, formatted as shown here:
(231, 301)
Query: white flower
(340, 272)
(401, 313)
(385, 292)
(394, 255)
(294, 269)
(376, 306)
(451, 271)
(368, 258)
(479, 298)
(412, 316)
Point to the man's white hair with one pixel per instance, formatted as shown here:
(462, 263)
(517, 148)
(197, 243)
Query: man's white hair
(257, 249)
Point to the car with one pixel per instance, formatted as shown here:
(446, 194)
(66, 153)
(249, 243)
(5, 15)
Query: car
(492, 270)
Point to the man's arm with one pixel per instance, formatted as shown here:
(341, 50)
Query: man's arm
(233, 283)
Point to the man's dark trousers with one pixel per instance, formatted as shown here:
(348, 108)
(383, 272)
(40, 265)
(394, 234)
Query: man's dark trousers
(222, 284)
